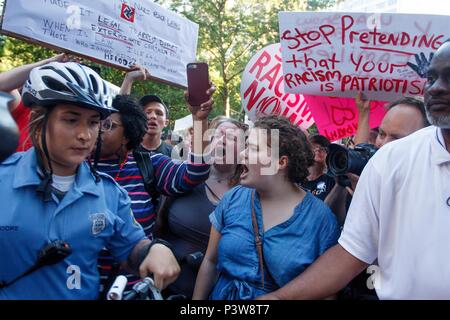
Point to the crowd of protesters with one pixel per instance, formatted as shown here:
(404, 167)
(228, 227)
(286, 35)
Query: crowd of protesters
(227, 212)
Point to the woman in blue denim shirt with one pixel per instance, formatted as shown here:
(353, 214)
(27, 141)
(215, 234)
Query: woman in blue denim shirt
(295, 228)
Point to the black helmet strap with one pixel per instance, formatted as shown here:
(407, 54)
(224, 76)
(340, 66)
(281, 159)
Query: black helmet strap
(45, 187)
(98, 148)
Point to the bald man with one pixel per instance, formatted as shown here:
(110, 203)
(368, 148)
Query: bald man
(404, 117)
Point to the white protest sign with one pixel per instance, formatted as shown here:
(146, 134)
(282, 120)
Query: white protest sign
(339, 54)
(262, 90)
(183, 123)
(115, 32)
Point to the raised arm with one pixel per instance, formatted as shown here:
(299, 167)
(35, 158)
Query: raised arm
(136, 73)
(173, 177)
(200, 118)
(15, 78)
(363, 131)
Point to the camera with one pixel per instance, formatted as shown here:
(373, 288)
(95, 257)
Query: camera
(341, 160)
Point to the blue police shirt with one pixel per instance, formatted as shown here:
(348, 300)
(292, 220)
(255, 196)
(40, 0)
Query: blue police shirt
(89, 217)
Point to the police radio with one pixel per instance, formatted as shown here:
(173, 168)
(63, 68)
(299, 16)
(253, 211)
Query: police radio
(50, 254)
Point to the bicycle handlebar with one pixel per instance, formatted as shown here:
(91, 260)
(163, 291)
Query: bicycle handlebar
(140, 289)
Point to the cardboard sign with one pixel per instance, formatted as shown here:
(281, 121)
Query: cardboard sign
(339, 54)
(114, 32)
(262, 90)
(337, 118)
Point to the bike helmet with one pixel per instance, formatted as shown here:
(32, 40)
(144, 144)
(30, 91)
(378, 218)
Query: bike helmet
(68, 82)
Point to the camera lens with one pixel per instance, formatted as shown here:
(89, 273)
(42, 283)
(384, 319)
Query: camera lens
(340, 160)
(337, 159)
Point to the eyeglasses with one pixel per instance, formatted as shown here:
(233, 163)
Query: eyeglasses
(318, 149)
(108, 125)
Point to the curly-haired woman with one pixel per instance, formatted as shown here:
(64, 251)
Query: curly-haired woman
(268, 230)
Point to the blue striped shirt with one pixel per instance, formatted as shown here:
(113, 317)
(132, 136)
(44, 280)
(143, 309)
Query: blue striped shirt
(171, 177)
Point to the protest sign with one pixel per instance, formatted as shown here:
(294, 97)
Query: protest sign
(337, 118)
(262, 90)
(339, 54)
(183, 123)
(114, 32)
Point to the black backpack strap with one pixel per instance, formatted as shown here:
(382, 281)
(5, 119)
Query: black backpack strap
(162, 224)
(144, 162)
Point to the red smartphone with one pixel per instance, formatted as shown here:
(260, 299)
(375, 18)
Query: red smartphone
(198, 82)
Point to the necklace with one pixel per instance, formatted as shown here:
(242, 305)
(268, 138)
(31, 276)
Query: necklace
(122, 164)
(220, 180)
(212, 192)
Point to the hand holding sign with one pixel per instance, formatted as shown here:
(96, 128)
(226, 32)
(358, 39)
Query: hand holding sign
(137, 73)
(62, 57)
(362, 103)
(422, 64)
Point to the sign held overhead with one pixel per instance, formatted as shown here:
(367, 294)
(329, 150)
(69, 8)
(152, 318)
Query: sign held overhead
(113, 32)
(340, 54)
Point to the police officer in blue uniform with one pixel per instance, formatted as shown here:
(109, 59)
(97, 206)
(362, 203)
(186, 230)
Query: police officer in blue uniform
(55, 204)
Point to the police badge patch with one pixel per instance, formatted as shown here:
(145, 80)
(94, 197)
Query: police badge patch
(98, 222)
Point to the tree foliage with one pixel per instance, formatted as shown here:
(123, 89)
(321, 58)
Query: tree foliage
(230, 34)
(313, 5)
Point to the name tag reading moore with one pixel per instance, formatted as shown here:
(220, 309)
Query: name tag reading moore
(338, 54)
(113, 32)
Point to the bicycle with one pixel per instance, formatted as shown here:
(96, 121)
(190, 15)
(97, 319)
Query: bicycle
(145, 289)
(142, 290)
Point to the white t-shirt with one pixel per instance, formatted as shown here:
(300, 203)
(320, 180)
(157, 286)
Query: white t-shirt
(63, 183)
(400, 215)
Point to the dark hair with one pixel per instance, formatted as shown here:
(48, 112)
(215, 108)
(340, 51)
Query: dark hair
(134, 119)
(293, 144)
(415, 102)
(145, 100)
(37, 120)
(320, 140)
